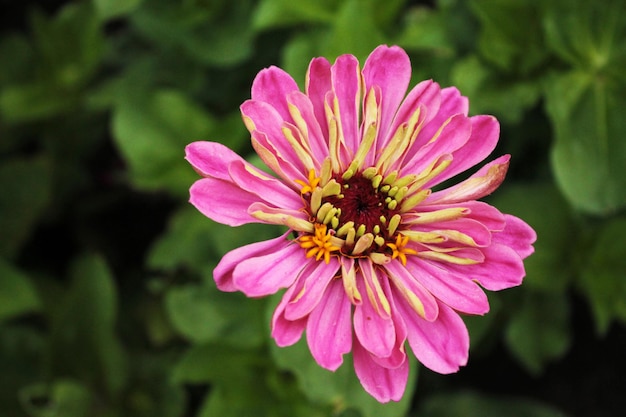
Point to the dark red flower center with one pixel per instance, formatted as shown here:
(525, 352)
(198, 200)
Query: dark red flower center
(362, 203)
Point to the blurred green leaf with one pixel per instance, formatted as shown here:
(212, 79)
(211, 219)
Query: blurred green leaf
(69, 45)
(110, 9)
(196, 242)
(151, 131)
(151, 390)
(587, 34)
(550, 267)
(386, 13)
(589, 154)
(67, 50)
(354, 30)
(491, 92)
(189, 242)
(299, 50)
(538, 330)
(341, 388)
(217, 33)
(227, 238)
(21, 352)
(271, 14)
(17, 55)
(17, 293)
(482, 329)
(471, 404)
(25, 192)
(28, 102)
(215, 363)
(204, 314)
(62, 398)
(511, 35)
(237, 377)
(425, 29)
(603, 277)
(83, 339)
(584, 103)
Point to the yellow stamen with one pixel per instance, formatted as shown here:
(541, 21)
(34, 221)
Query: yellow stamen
(414, 200)
(309, 186)
(320, 244)
(393, 224)
(343, 230)
(363, 243)
(399, 249)
(370, 172)
(332, 187)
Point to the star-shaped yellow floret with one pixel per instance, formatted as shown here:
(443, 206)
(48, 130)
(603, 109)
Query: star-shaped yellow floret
(399, 249)
(313, 181)
(318, 244)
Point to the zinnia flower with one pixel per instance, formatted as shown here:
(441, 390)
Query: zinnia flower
(374, 256)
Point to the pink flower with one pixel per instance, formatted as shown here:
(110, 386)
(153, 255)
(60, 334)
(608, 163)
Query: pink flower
(373, 257)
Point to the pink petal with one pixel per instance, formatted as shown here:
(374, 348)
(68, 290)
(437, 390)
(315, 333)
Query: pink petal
(346, 78)
(318, 83)
(286, 332)
(482, 183)
(265, 274)
(268, 189)
(275, 160)
(223, 272)
(329, 329)
(483, 140)
(315, 278)
(384, 384)
(517, 235)
(211, 159)
(406, 284)
(454, 135)
(316, 138)
(441, 345)
(375, 333)
(271, 85)
(262, 118)
(222, 201)
(452, 102)
(398, 353)
(390, 69)
(426, 94)
(502, 268)
(457, 291)
(297, 220)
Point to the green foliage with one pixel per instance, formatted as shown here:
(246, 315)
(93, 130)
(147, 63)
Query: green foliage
(534, 340)
(603, 278)
(67, 51)
(472, 404)
(84, 319)
(151, 130)
(98, 99)
(26, 188)
(17, 293)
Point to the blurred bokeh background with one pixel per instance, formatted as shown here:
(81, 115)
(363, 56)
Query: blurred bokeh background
(107, 303)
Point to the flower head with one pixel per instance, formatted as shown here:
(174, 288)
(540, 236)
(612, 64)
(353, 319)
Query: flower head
(374, 257)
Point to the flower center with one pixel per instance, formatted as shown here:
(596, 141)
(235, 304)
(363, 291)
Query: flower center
(357, 214)
(362, 204)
